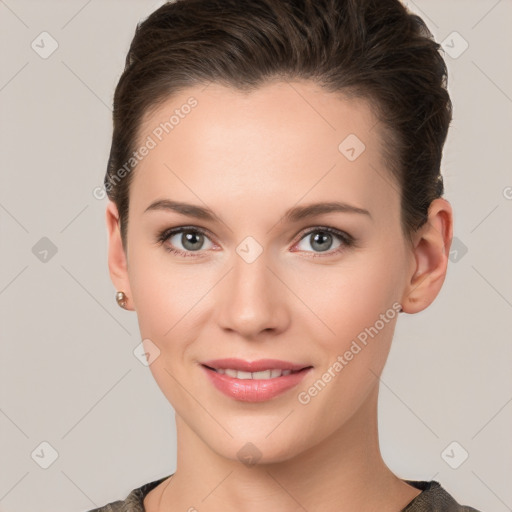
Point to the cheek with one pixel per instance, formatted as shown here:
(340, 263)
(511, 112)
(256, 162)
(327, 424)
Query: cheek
(152, 299)
(341, 301)
(163, 293)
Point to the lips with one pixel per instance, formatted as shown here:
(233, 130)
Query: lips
(248, 387)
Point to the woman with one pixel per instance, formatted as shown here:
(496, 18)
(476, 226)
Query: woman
(275, 202)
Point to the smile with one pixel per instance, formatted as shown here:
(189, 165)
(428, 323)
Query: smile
(258, 386)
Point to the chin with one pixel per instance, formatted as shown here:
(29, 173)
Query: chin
(256, 449)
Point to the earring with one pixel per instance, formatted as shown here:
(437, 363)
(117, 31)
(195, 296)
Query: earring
(121, 299)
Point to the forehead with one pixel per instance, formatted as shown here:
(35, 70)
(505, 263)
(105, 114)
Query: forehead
(284, 140)
(292, 110)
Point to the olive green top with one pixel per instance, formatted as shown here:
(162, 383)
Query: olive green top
(433, 498)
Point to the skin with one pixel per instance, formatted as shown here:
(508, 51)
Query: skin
(249, 157)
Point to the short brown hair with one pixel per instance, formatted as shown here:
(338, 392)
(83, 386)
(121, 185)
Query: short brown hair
(371, 49)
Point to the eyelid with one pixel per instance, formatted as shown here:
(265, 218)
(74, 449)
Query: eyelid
(328, 229)
(180, 229)
(167, 233)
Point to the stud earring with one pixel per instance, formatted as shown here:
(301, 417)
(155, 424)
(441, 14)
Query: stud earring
(121, 299)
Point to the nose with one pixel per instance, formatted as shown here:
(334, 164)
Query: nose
(252, 300)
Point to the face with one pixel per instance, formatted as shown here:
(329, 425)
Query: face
(263, 276)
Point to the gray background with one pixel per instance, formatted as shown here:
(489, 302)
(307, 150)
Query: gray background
(68, 374)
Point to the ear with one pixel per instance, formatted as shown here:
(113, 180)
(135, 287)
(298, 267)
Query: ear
(431, 248)
(117, 261)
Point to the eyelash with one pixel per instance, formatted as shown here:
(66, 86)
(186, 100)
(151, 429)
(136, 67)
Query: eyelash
(346, 239)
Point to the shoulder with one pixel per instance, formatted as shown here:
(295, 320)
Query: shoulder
(134, 501)
(434, 498)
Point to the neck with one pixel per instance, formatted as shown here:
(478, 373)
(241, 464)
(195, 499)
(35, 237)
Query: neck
(343, 472)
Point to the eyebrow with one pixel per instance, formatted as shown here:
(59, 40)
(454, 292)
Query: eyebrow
(294, 214)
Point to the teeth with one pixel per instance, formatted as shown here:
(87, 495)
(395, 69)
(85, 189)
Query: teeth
(266, 374)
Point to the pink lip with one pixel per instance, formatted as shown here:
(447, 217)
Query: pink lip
(254, 390)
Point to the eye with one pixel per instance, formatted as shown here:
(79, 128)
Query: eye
(189, 241)
(322, 239)
(184, 240)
